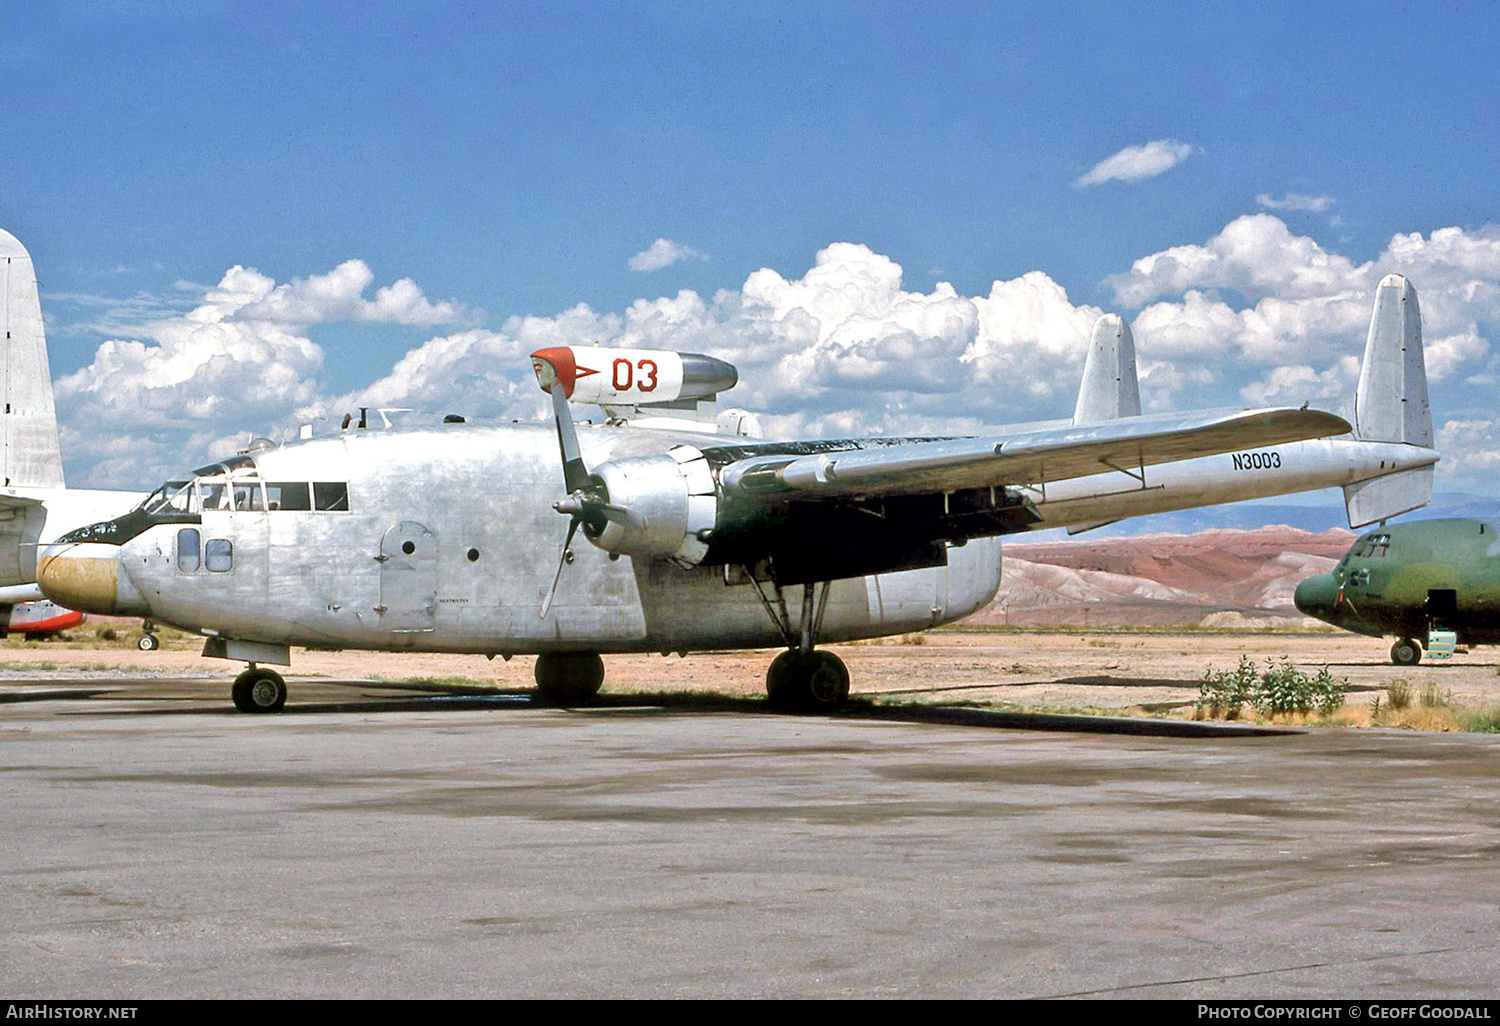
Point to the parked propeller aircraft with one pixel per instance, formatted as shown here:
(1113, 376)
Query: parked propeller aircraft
(1432, 584)
(35, 505)
(446, 538)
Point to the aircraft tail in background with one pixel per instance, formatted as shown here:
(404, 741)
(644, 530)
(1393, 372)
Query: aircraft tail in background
(30, 455)
(1110, 389)
(1391, 404)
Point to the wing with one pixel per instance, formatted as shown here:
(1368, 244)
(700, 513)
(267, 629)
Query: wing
(1027, 458)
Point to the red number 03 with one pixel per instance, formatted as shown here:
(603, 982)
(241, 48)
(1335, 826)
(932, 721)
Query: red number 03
(623, 375)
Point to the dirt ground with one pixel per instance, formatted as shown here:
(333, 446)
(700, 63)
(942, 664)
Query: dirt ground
(1156, 672)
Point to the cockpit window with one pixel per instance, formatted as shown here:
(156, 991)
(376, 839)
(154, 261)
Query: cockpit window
(172, 497)
(229, 466)
(1372, 546)
(247, 495)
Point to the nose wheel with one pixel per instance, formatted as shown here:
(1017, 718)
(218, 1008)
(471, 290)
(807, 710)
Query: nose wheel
(259, 690)
(1406, 652)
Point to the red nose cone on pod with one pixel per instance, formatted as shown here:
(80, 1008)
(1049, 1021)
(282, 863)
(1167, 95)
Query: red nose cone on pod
(554, 365)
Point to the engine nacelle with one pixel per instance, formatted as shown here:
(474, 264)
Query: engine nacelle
(669, 506)
(631, 377)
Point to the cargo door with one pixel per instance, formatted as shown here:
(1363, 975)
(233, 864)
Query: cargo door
(408, 578)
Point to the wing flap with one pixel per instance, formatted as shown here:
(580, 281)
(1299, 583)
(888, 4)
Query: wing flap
(1030, 458)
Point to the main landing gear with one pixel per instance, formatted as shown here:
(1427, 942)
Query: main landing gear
(807, 681)
(568, 678)
(259, 690)
(803, 679)
(1406, 652)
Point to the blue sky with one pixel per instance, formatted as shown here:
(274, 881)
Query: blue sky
(510, 161)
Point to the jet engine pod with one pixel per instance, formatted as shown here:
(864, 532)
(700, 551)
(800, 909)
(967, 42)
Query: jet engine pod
(656, 506)
(631, 377)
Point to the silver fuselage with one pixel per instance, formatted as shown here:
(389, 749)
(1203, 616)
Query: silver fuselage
(475, 507)
(449, 543)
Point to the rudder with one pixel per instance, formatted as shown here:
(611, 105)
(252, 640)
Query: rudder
(1109, 389)
(1391, 404)
(29, 451)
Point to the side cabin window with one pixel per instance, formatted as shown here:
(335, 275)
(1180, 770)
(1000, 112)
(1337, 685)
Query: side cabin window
(187, 550)
(331, 496)
(289, 495)
(218, 555)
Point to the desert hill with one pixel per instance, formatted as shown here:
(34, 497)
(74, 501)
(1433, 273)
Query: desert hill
(1219, 577)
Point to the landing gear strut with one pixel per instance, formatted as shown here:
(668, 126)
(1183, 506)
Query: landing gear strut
(1406, 652)
(259, 690)
(568, 678)
(803, 679)
(148, 641)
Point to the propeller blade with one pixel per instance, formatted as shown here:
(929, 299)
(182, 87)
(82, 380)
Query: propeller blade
(562, 561)
(621, 515)
(575, 474)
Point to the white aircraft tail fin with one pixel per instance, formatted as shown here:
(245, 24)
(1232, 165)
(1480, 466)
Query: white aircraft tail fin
(1109, 389)
(1391, 404)
(29, 450)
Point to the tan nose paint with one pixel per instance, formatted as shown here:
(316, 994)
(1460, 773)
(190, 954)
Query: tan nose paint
(85, 583)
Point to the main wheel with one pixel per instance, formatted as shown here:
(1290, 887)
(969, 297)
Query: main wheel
(1406, 652)
(568, 678)
(259, 691)
(148, 643)
(807, 681)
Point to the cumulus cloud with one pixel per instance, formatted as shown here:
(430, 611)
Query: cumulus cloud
(664, 253)
(1254, 315)
(239, 356)
(844, 348)
(1134, 163)
(335, 296)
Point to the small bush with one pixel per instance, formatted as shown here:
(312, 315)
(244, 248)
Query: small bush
(1486, 721)
(1434, 697)
(1398, 693)
(1280, 688)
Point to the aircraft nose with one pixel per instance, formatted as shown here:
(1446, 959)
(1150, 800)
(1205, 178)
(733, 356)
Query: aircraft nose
(1315, 596)
(86, 576)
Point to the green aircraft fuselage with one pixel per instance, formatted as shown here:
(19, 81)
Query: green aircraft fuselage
(1409, 579)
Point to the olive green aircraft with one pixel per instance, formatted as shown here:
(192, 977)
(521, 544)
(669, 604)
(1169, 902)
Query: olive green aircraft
(1433, 584)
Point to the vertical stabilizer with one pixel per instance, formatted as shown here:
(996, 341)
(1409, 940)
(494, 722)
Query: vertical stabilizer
(29, 451)
(1109, 389)
(1391, 404)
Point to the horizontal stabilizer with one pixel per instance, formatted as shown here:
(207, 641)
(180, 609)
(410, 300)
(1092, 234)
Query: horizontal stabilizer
(1379, 498)
(1083, 528)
